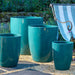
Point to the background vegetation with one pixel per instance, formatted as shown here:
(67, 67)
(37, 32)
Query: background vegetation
(30, 6)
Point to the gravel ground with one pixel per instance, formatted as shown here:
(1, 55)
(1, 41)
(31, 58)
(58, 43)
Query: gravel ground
(26, 66)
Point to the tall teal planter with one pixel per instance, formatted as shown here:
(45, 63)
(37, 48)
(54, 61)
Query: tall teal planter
(19, 25)
(40, 41)
(9, 49)
(62, 52)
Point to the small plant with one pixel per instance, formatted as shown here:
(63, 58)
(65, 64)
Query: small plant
(4, 28)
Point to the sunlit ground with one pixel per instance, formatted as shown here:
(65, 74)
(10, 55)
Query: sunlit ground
(26, 64)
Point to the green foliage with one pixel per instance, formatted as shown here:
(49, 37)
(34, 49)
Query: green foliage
(60, 38)
(3, 29)
(31, 6)
(28, 5)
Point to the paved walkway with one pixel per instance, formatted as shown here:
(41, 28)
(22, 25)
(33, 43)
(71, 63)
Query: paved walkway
(26, 66)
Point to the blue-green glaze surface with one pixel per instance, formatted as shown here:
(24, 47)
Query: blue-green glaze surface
(40, 41)
(62, 52)
(9, 49)
(19, 25)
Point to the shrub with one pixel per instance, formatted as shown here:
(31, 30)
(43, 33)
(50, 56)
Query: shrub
(28, 5)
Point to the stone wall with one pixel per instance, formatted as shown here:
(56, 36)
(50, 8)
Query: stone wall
(5, 16)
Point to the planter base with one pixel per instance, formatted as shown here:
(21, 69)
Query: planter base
(43, 60)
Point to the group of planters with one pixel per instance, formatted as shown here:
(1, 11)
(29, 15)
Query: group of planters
(32, 36)
(37, 43)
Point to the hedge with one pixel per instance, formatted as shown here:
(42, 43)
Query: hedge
(28, 5)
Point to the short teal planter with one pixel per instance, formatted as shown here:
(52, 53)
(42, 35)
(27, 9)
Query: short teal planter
(9, 49)
(19, 25)
(62, 52)
(40, 41)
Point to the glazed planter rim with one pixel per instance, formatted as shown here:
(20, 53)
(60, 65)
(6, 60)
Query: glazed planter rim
(43, 26)
(62, 42)
(9, 35)
(27, 17)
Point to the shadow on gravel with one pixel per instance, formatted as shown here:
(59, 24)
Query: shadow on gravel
(29, 72)
(21, 65)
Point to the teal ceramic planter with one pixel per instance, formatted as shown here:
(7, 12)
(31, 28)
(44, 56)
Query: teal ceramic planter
(40, 41)
(9, 49)
(62, 52)
(19, 25)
